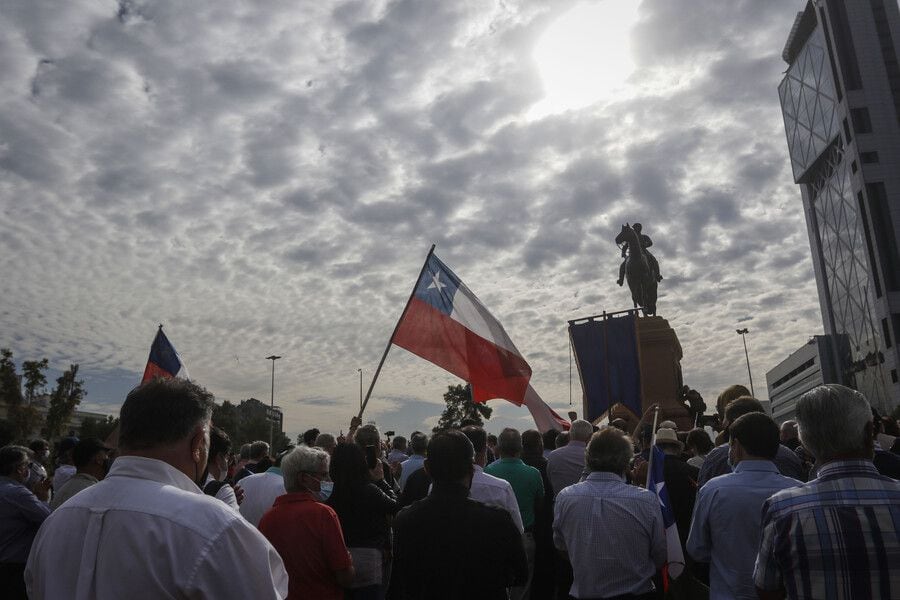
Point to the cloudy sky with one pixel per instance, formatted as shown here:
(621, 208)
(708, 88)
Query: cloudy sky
(267, 178)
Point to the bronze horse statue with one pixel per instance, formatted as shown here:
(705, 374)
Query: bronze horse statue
(640, 277)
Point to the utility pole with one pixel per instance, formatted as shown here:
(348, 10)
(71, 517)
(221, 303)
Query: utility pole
(273, 358)
(743, 333)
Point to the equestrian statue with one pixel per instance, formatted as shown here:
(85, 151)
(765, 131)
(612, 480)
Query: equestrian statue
(640, 268)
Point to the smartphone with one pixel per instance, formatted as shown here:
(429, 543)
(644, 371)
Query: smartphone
(371, 457)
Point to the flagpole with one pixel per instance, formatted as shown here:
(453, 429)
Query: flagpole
(391, 341)
(652, 443)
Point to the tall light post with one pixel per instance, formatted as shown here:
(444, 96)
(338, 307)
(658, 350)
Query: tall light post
(360, 389)
(273, 358)
(743, 333)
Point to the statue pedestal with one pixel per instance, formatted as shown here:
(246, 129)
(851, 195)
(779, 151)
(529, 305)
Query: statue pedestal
(661, 379)
(659, 355)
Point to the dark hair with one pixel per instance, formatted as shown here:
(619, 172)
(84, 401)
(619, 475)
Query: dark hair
(10, 458)
(532, 444)
(757, 433)
(348, 468)
(562, 439)
(491, 439)
(399, 443)
(549, 439)
(309, 436)
(162, 411)
(219, 442)
(699, 440)
(368, 435)
(742, 406)
(86, 450)
(450, 456)
(418, 442)
(38, 445)
(477, 436)
(609, 451)
(509, 442)
(259, 450)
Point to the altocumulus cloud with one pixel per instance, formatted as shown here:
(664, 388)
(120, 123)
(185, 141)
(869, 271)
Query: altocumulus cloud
(268, 180)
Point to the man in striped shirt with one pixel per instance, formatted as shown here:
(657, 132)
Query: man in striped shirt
(838, 536)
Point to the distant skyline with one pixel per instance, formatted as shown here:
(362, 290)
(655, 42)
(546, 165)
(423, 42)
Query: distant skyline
(270, 181)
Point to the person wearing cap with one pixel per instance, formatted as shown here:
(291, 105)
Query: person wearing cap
(680, 479)
(65, 468)
(91, 457)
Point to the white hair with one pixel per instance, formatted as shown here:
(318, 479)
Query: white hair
(831, 420)
(302, 459)
(581, 431)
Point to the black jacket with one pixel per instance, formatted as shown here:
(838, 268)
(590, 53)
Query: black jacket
(448, 546)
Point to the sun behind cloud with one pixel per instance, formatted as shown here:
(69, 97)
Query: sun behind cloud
(585, 55)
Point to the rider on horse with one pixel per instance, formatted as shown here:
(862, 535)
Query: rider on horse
(646, 242)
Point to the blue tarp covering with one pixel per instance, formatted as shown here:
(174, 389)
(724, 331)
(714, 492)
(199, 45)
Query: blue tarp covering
(607, 356)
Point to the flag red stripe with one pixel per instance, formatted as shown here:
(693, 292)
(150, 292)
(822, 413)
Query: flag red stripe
(493, 372)
(153, 371)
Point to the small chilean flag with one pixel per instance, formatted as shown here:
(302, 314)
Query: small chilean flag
(164, 360)
(444, 323)
(656, 483)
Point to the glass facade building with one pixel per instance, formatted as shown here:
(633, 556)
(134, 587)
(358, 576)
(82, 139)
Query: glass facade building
(843, 134)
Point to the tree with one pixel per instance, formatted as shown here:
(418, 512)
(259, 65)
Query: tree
(22, 418)
(35, 380)
(63, 400)
(460, 408)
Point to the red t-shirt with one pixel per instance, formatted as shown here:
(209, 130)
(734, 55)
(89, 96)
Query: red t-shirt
(308, 536)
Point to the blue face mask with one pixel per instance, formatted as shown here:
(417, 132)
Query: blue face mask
(325, 489)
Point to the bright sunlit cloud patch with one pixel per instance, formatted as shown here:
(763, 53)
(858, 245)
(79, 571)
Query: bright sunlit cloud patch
(585, 55)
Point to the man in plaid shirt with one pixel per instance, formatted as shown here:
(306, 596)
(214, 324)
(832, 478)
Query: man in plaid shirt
(838, 536)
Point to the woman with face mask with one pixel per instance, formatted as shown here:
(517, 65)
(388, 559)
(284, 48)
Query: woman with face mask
(365, 511)
(306, 532)
(213, 482)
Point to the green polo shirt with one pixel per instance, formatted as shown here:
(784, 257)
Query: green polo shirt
(526, 484)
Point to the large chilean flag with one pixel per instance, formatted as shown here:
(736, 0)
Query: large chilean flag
(444, 323)
(164, 360)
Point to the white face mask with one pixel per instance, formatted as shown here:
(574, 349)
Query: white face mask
(325, 489)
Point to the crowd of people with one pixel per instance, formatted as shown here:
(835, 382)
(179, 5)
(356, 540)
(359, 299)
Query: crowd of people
(810, 509)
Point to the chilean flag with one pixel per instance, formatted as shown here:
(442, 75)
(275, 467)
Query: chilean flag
(656, 484)
(164, 360)
(444, 323)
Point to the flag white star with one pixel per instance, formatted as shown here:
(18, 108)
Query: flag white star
(436, 282)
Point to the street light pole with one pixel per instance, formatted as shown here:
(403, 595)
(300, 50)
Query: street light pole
(273, 358)
(743, 333)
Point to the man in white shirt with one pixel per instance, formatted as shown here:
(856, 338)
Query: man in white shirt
(147, 530)
(260, 491)
(488, 489)
(214, 483)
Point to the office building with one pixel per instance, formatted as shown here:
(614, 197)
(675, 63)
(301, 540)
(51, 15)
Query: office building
(809, 366)
(840, 99)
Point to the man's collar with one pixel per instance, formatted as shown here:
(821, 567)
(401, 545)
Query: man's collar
(275, 471)
(604, 476)
(140, 467)
(755, 465)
